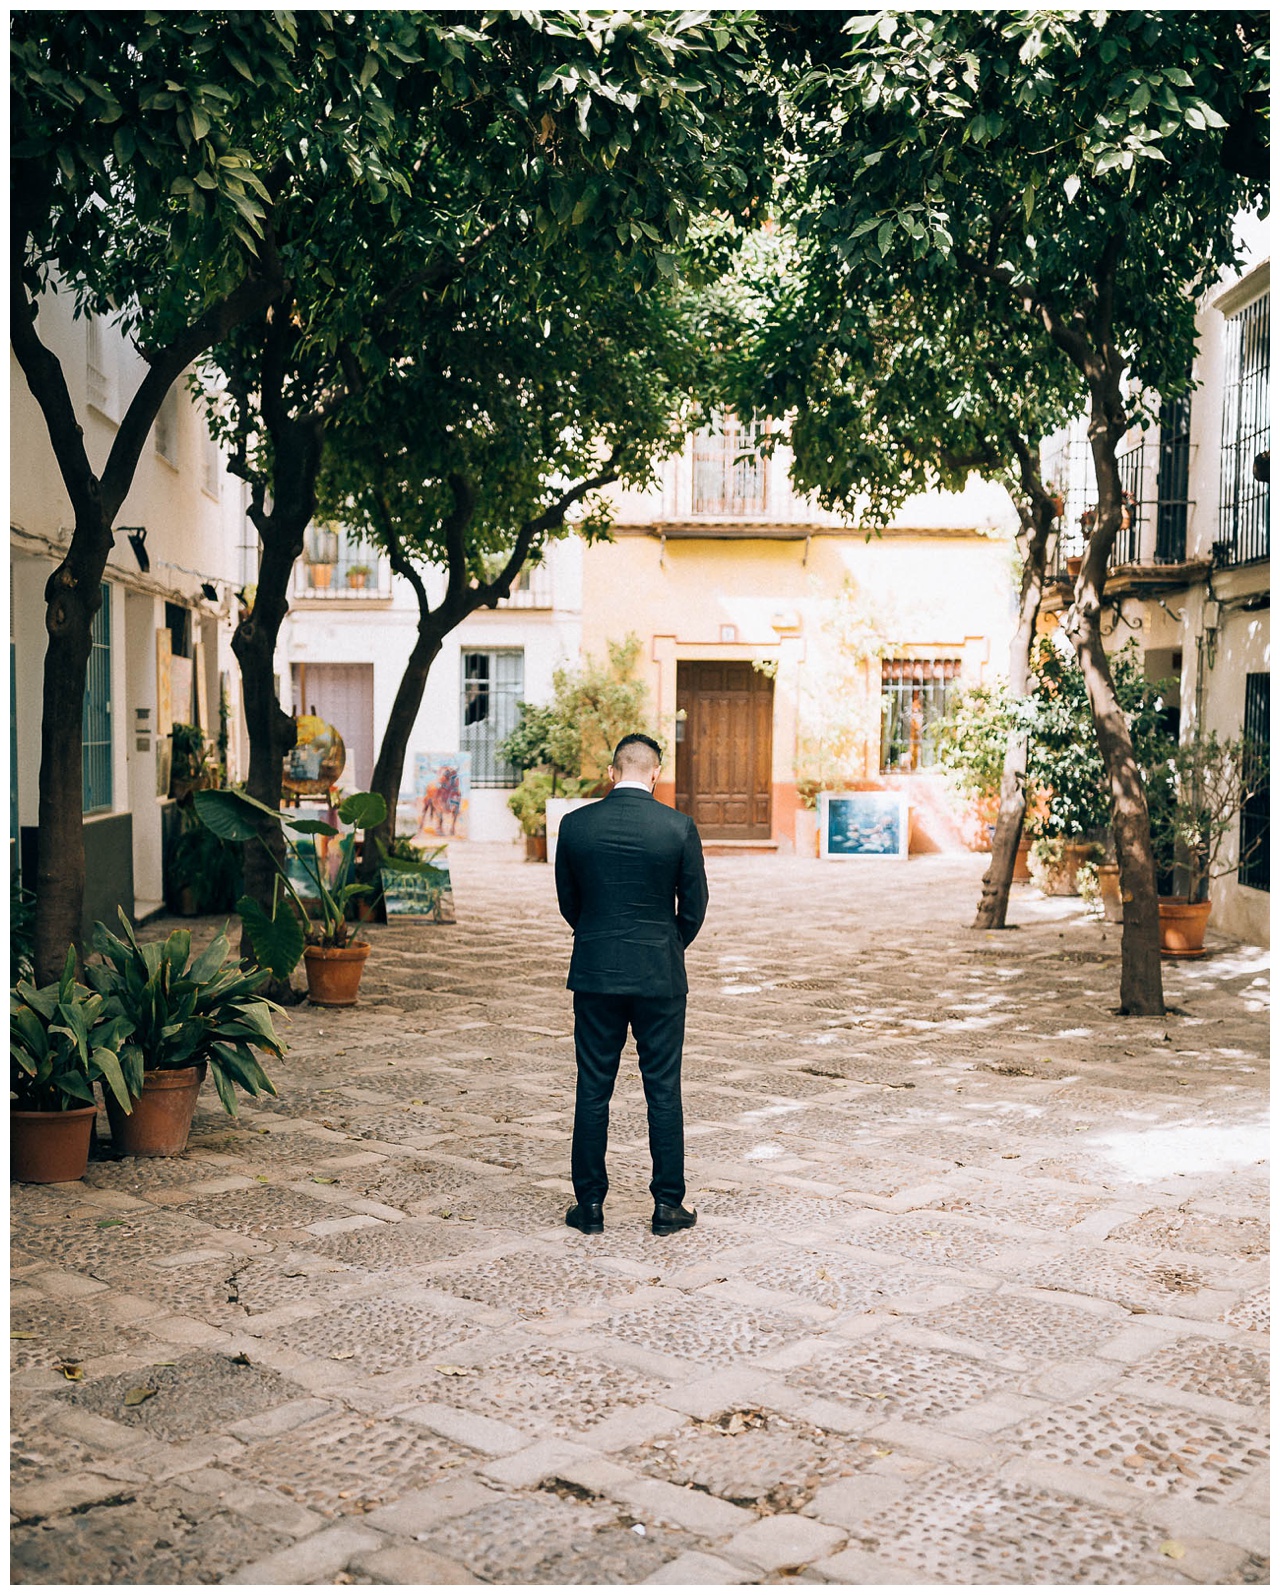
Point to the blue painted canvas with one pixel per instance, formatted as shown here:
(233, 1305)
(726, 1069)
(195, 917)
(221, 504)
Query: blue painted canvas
(862, 824)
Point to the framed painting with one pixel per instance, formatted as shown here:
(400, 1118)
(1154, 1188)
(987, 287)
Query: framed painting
(419, 892)
(441, 794)
(862, 825)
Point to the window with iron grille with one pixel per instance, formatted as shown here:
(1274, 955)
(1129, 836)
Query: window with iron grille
(1173, 480)
(728, 468)
(1255, 821)
(95, 733)
(914, 696)
(1244, 498)
(492, 685)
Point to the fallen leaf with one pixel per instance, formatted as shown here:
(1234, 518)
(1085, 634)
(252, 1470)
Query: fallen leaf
(1172, 1549)
(1010, 1154)
(139, 1394)
(871, 1395)
(883, 1452)
(241, 1359)
(26, 1334)
(446, 1213)
(109, 1223)
(71, 1370)
(453, 1371)
(262, 1179)
(318, 1179)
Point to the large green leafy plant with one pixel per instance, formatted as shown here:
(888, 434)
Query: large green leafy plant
(1196, 799)
(64, 1038)
(280, 937)
(182, 1012)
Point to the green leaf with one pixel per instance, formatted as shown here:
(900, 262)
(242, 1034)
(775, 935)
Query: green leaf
(278, 940)
(363, 809)
(313, 828)
(230, 814)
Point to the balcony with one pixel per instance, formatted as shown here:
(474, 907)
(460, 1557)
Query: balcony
(336, 569)
(532, 589)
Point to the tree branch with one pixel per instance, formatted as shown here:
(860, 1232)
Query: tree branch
(48, 384)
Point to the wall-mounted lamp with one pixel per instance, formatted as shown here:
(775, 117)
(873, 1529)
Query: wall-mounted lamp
(138, 543)
(210, 591)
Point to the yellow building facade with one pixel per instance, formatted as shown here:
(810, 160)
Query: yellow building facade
(785, 650)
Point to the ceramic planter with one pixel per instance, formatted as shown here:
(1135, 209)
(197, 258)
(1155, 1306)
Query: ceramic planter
(1109, 891)
(1059, 879)
(806, 833)
(1182, 926)
(1074, 562)
(1022, 861)
(49, 1148)
(333, 974)
(161, 1119)
(535, 848)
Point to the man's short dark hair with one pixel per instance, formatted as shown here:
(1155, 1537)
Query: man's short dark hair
(637, 739)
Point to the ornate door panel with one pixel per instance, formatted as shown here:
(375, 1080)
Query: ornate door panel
(724, 758)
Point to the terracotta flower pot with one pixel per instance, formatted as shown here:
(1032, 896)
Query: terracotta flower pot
(807, 833)
(1022, 861)
(1074, 562)
(1182, 927)
(161, 1119)
(1109, 891)
(1059, 879)
(49, 1148)
(321, 575)
(333, 974)
(535, 848)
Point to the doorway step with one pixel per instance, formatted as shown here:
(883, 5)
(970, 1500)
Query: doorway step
(723, 846)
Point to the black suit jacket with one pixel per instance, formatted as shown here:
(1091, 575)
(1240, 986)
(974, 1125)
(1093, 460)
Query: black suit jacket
(631, 882)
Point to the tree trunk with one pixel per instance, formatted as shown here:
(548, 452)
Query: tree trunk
(388, 772)
(1141, 987)
(72, 599)
(271, 732)
(1037, 518)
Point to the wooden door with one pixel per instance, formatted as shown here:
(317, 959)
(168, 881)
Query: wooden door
(342, 695)
(724, 758)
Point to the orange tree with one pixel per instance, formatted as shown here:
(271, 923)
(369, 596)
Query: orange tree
(1087, 168)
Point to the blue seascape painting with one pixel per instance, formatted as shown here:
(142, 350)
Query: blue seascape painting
(862, 824)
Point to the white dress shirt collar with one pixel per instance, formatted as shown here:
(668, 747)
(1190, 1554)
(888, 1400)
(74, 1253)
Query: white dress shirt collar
(633, 786)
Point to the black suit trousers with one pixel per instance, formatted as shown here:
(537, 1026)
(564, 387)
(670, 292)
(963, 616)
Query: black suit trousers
(600, 1024)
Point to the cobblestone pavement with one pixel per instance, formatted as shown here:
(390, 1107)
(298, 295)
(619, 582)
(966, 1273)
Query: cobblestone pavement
(977, 1292)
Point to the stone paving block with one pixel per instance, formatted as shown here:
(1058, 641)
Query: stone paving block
(485, 1435)
(317, 1557)
(690, 1508)
(340, 1226)
(696, 1568)
(1249, 1530)
(63, 1285)
(850, 1502)
(928, 1442)
(783, 1541)
(181, 1331)
(423, 1509)
(67, 1492)
(535, 1463)
(633, 1426)
(704, 1398)
(856, 1567)
(93, 1430)
(279, 1420)
(410, 1564)
(266, 1507)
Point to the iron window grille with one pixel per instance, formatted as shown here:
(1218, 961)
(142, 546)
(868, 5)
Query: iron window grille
(1244, 497)
(492, 686)
(1173, 480)
(95, 729)
(729, 472)
(915, 694)
(1255, 818)
(335, 565)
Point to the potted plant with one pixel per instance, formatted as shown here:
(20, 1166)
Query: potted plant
(806, 821)
(192, 764)
(202, 871)
(63, 1039)
(529, 805)
(971, 744)
(334, 954)
(185, 1016)
(319, 573)
(358, 576)
(1195, 800)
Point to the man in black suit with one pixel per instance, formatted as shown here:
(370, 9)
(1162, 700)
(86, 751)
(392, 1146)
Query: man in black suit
(630, 880)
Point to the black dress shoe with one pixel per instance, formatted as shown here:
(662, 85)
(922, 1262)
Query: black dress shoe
(667, 1220)
(586, 1216)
